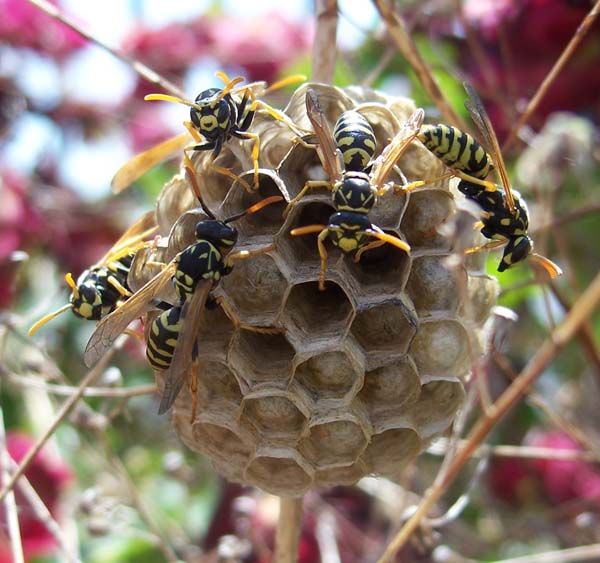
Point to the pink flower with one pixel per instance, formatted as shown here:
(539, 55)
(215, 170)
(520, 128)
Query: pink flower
(48, 476)
(170, 49)
(147, 127)
(511, 480)
(24, 25)
(533, 34)
(262, 52)
(565, 480)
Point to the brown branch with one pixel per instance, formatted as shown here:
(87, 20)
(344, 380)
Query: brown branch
(289, 524)
(68, 405)
(578, 36)
(409, 51)
(144, 71)
(581, 553)
(580, 312)
(325, 43)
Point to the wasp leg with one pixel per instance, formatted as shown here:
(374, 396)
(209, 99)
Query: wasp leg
(118, 286)
(235, 321)
(368, 246)
(323, 254)
(420, 183)
(194, 385)
(193, 131)
(308, 186)
(486, 246)
(243, 254)
(255, 150)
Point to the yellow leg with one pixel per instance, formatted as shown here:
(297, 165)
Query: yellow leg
(323, 254)
(368, 246)
(115, 283)
(243, 254)
(193, 132)
(420, 183)
(308, 186)
(238, 324)
(486, 246)
(234, 177)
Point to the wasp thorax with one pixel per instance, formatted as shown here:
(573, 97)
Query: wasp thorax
(358, 378)
(216, 232)
(354, 193)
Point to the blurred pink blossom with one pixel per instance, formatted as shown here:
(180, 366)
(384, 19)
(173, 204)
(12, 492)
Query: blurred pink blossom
(49, 476)
(565, 480)
(24, 25)
(262, 50)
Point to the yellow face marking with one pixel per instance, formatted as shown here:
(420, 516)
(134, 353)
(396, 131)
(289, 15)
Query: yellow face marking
(208, 122)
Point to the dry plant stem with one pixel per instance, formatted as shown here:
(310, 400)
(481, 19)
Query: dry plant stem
(289, 524)
(555, 417)
(10, 504)
(524, 452)
(581, 553)
(324, 45)
(578, 36)
(144, 71)
(585, 333)
(409, 50)
(44, 516)
(92, 375)
(67, 390)
(121, 470)
(581, 311)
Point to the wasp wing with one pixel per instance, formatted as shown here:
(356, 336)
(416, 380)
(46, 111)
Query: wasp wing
(111, 326)
(144, 227)
(141, 163)
(395, 149)
(481, 119)
(331, 162)
(183, 357)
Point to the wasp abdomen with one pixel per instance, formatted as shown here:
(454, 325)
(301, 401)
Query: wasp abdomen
(456, 149)
(162, 338)
(354, 136)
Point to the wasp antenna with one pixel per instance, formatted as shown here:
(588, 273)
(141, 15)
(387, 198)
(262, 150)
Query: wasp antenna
(48, 317)
(254, 208)
(394, 241)
(71, 283)
(307, 230)
(553, 270)
(229, 84)
(293, 79)
(189, 170)
(168, 98)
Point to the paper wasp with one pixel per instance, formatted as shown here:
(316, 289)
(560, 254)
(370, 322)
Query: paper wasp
(103, 287)
(194, 272)
(216, 115)
(505, 219)
(354, 192)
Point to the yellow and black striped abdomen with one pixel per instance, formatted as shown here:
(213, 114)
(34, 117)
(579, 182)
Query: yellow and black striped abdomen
(456, 149)
(162, 338)
(354, 136)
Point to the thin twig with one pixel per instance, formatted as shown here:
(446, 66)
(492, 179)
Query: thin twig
(581, 553)
(581, 32)
(521, 452)
(144, 71)
(581, 311)
(68, 390)
(325, 43)
(43, 515)
(118, 465)
(92, 375)
(10, 503)
(287, 538)
(408, 49)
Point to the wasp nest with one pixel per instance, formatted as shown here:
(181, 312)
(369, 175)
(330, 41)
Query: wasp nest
(362, 375)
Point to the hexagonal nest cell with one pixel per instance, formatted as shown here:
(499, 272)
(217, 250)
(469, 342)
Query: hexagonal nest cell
(299, 388)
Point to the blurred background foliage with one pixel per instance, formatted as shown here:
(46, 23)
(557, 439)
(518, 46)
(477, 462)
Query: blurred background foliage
(71, 114)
